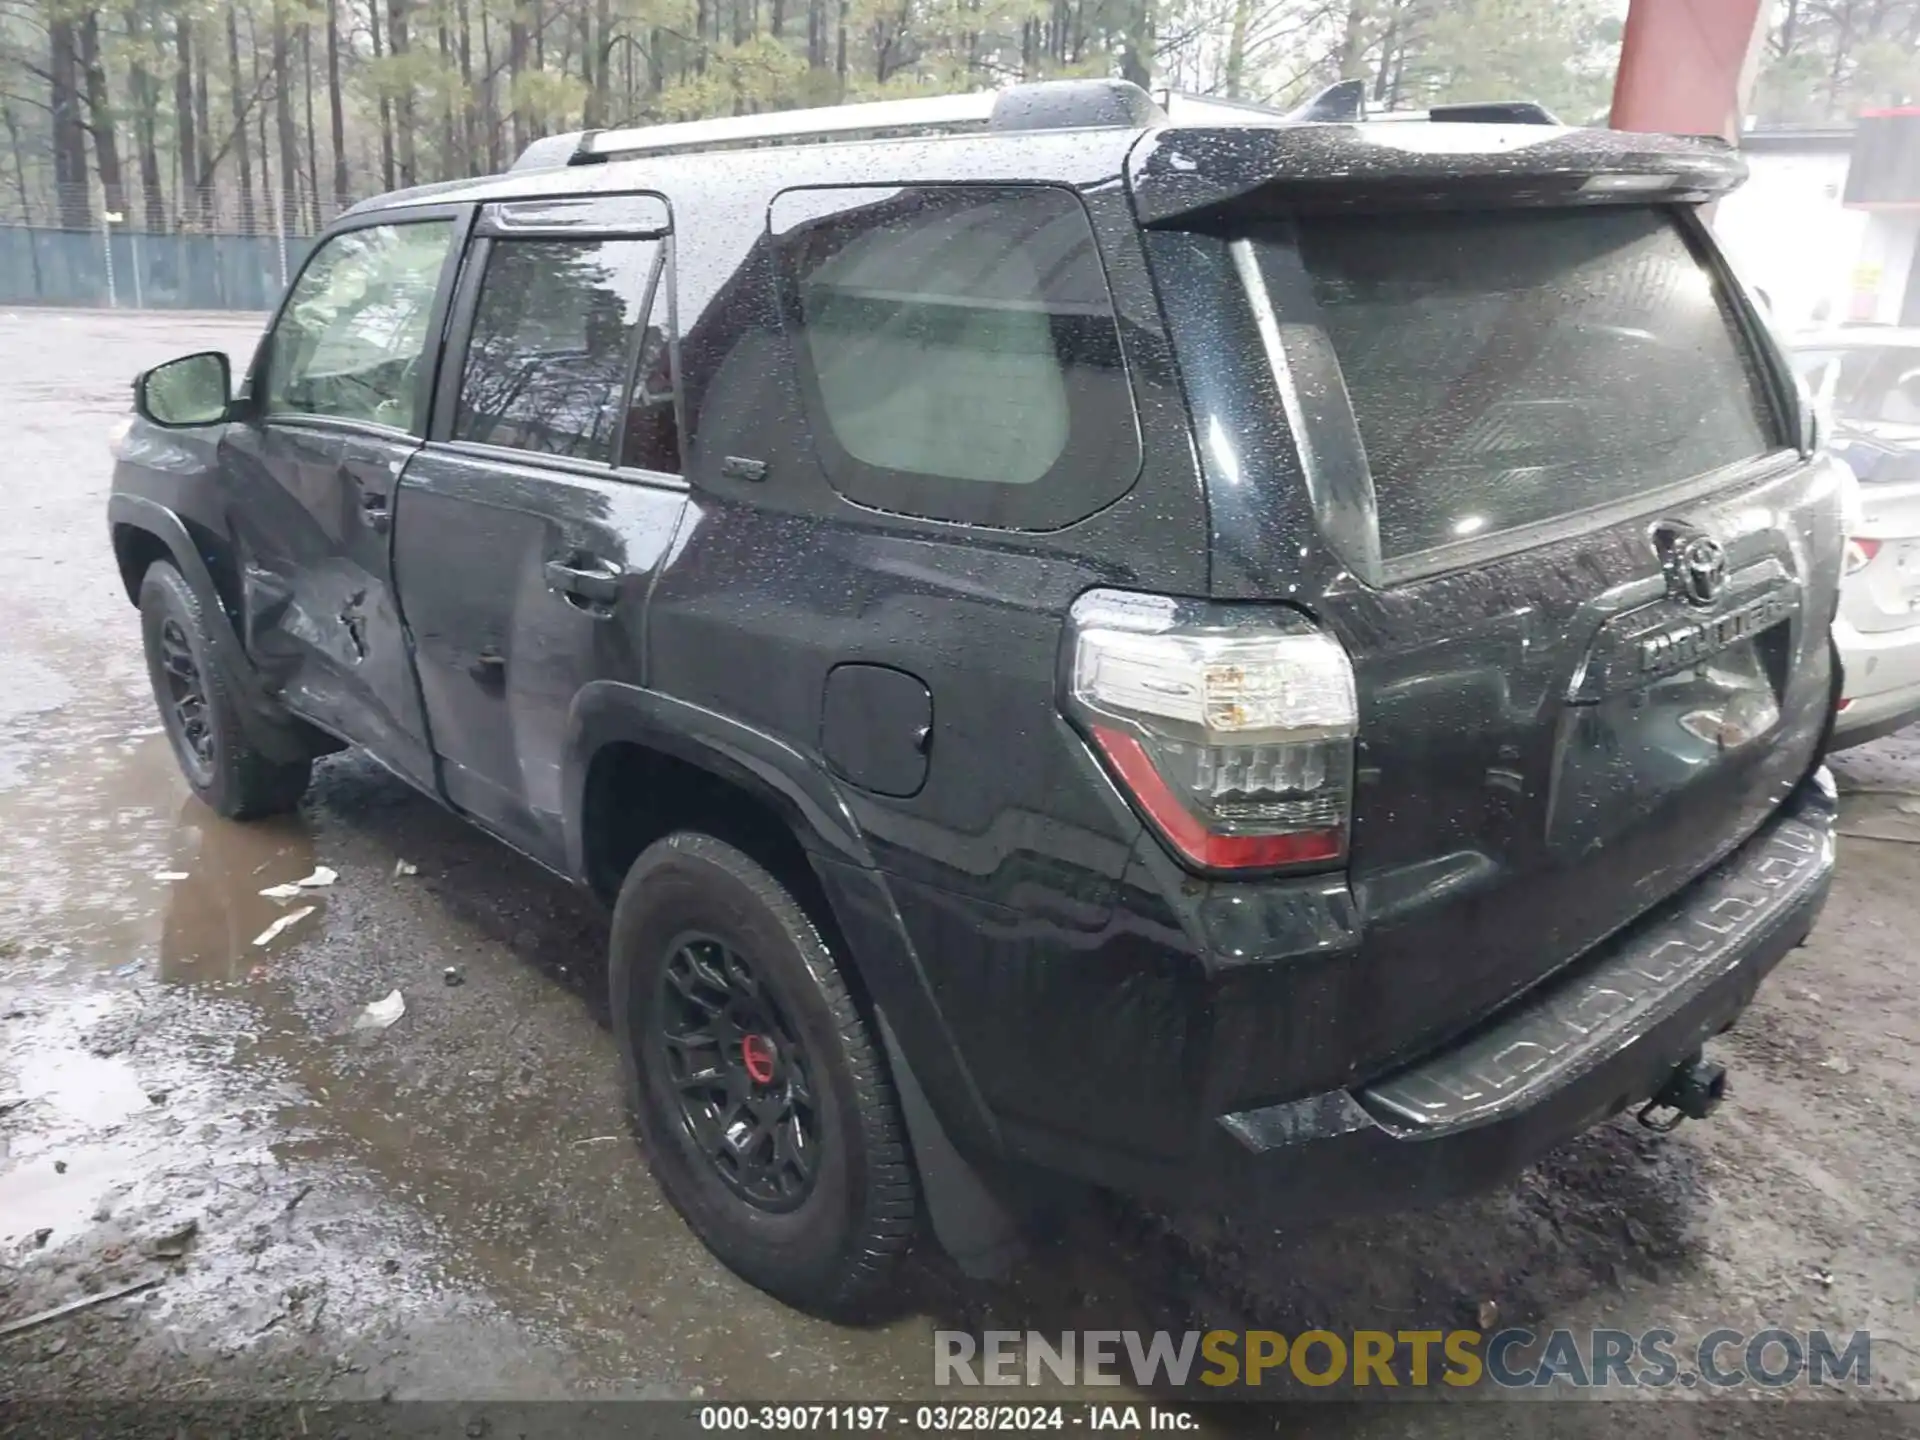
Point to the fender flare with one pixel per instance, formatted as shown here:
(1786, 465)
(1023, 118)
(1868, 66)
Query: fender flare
(608, 712)
(270, 727)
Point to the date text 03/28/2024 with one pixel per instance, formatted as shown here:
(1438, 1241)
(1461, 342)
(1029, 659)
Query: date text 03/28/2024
(922, 1419)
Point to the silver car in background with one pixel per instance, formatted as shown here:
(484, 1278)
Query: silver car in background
(1866, 383)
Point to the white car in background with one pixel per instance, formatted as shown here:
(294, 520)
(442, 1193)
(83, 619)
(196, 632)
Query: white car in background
(1866, 383)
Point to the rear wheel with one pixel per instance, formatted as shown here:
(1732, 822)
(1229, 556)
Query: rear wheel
(764, 1108)
(195, 696)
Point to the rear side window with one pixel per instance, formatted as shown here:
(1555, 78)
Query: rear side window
(958, 351)
(1513, 368)
(561, 330)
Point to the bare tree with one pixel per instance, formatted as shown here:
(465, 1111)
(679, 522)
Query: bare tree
(106, 147)
(239, 104)
(336, 110)
(313, 131)
(69, 131)
(399, 46)
(146, 105)
(186, 127)
(285, 133)
(386, 105)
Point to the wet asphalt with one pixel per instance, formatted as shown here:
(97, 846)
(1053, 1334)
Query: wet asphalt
(453, 1207)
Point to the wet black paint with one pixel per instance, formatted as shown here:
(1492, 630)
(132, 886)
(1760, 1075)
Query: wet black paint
(1063, 991)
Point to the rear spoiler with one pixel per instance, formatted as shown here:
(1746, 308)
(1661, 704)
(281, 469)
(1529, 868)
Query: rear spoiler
(1191, 176)
(1345, 103)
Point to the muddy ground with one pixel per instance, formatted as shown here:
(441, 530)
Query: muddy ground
(452, 1209)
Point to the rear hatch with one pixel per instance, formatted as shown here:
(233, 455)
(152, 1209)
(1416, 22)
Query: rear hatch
(1501, 425)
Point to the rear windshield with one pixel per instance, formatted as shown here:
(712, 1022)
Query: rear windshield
(1512, 368)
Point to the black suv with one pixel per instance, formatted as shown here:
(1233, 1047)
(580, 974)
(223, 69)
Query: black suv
(1247, 660)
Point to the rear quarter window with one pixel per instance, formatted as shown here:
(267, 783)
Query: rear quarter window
(958, 353)
(1509, 369)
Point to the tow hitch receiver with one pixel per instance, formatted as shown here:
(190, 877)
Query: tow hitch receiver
(1693, 1092)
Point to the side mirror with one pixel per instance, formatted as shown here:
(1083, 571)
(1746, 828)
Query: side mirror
(193, 390)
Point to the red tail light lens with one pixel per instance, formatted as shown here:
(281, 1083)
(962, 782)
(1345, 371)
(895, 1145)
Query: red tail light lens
(1860, 553)
(1230, 727)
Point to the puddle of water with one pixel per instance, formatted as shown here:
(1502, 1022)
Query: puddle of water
(211, 919)
(34, 1195)
(96, 1091)
(33, 689)
(90, 845)
(36, 690)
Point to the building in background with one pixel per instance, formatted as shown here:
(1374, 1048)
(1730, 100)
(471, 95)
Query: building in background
(1827, 223)
(1883, 183)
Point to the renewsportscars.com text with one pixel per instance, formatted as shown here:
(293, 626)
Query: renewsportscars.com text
(1512, 1358)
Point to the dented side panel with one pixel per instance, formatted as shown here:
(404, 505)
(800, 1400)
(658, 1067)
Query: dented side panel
(312, 507)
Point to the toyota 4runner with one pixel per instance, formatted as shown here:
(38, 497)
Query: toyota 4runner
(1262, 662)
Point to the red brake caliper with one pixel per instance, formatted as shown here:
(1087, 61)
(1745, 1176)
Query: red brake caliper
(756, 1053)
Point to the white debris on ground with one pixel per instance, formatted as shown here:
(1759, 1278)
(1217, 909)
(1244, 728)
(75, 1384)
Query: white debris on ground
(318, 880)
(381, 1013)
(285, 922)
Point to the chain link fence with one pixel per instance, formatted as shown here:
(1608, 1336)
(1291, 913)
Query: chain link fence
(217, 249)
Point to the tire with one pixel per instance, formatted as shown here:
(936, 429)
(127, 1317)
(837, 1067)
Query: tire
(827, 1240)
(195, 695)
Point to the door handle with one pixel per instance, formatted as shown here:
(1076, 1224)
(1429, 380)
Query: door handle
(594, 581)
(377, 510)
(489, 667)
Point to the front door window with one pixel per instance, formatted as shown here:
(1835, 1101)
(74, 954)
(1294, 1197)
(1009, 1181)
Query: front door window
(350, 342)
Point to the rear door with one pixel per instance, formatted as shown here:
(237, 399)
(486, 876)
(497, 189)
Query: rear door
(339, 404)
(529, 528)
(1542, 488)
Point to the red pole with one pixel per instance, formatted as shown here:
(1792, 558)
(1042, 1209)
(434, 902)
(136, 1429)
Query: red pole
(1686, 66)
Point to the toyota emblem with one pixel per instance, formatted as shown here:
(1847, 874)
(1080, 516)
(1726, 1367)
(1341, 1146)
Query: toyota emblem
(1696, 564)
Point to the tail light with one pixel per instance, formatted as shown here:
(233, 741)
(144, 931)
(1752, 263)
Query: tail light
(1230, 727)
(1860, 553)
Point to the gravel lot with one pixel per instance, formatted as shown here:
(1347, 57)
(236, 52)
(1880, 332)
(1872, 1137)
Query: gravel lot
(452, 1208)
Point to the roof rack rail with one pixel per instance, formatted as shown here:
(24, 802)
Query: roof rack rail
(1185, 107)
(1050, 105)
(1047, 105)
(938, 112)
(1344, 100)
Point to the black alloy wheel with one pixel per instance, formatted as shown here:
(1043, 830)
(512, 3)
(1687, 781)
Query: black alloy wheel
(197, 690)
(759, 1090)
(742, 1080)
(187, 698)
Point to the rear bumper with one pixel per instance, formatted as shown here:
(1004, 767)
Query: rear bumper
(1600, 1036)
